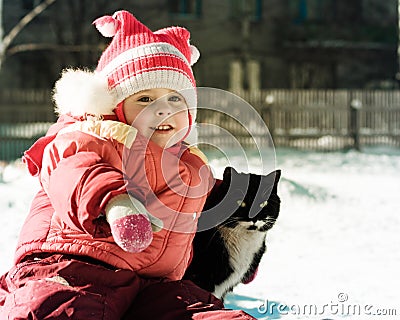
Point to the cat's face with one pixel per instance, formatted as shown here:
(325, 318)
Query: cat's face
(260, 206)
(254, 197)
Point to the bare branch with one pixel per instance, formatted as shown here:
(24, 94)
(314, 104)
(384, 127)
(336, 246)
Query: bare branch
(24, 21)
(54, 47)
(7, 40)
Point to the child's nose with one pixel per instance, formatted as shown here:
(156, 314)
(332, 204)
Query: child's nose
(164, 110)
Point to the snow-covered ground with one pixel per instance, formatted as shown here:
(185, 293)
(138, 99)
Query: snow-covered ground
(333, 253)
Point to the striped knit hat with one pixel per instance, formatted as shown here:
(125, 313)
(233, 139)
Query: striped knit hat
(136, 59)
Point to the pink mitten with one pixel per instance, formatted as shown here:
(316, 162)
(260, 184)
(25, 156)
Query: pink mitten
(130, 223)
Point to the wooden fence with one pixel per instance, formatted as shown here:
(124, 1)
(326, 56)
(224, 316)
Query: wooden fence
(25, 116)
(327, 119)
(306, 119)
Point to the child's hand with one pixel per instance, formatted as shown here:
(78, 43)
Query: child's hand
(131, 225)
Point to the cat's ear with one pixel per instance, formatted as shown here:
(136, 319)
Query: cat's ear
(277, 177)
(228, 173)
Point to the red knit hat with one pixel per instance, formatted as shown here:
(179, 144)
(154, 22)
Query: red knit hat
(136, 59)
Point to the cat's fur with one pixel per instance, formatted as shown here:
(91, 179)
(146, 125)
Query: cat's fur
(231, 242)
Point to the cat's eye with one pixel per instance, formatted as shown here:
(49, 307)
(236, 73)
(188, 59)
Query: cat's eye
(241, 203)
(264, 204)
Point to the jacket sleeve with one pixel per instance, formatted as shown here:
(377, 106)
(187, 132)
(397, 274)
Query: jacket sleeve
(80, 174)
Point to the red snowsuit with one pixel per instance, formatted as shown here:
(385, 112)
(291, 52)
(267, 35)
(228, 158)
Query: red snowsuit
(67, 265)
(85, 165)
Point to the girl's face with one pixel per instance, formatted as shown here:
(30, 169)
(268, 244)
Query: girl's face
(159, 114)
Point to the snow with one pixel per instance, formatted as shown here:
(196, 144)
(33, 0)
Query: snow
(333, 252)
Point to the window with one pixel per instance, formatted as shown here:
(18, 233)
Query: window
(313, 10)
(185, 8)
(253, 8)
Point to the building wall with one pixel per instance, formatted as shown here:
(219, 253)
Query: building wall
(288, 43)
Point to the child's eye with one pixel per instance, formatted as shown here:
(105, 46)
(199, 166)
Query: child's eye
(174, 98)
(144, 99)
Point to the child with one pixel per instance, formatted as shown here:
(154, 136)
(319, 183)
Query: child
(118, 208)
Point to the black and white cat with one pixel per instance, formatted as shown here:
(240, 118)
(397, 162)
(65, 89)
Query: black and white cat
(236, 217)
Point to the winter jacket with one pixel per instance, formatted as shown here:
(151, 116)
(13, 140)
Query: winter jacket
(81, 165)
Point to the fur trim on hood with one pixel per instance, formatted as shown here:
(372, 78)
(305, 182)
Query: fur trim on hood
(80, 92)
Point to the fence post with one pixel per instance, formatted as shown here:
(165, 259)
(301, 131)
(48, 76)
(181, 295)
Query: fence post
(267, 114)
(355, 107)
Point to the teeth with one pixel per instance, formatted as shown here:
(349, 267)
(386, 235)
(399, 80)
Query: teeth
(163, 127)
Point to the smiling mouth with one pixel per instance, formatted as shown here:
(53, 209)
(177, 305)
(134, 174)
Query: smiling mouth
(162, 128)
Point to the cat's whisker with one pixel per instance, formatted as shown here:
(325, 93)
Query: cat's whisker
(269, 222)
(229, 221)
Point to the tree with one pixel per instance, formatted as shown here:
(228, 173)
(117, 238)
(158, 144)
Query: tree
(398, 42)
(7, 40)
(65, 37)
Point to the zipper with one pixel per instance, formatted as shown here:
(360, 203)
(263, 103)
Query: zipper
(24, 264)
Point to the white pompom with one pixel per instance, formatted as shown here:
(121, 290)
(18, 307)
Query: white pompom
(107, 26)
(195, 54)
(80, 92)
